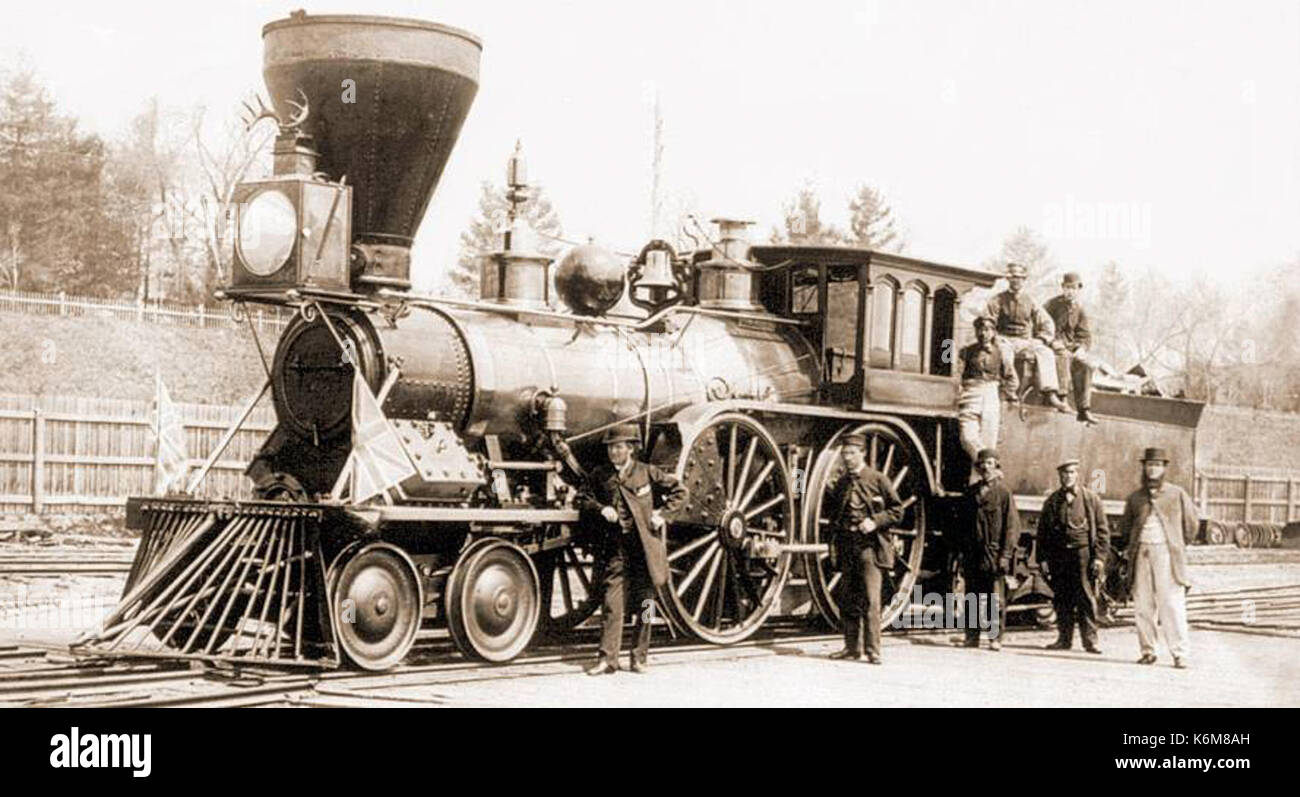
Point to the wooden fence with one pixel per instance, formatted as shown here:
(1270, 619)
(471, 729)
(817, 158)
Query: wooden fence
(1259, 495)
(74, 454)
(154, 312)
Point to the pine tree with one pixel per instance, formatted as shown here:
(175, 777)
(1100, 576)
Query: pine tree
(802, 222)
(483, 235)
(871, 222)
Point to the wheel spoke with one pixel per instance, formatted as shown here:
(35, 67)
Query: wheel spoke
(579, 569)
(731, 463)
(695, 571)
(563, 572)
(835, 579)
(708, 582)
(690, 546)
(903, 532)
(764, 532)
(749, 460)
(721, 591)
(763, 507)
(758, 482)
(889, 459)
(899, 478)
(874, 440)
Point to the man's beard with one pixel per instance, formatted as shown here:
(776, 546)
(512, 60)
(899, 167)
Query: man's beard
(1153, 482)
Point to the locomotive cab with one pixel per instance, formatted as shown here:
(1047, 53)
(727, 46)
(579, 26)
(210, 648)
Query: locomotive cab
(886, 326)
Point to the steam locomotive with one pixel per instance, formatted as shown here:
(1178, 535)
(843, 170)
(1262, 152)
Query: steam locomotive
(428, 450)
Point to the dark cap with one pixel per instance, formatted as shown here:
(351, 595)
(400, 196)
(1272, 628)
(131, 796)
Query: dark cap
(1071, 278)
(987, 454)
(984, 318)
(1065, 463)
(1155, 455)
(854, 439)
(623, 433)
(1016, 270)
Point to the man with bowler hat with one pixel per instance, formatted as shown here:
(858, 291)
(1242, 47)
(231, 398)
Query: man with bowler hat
(1074, 362)
(1160, 520)
(628, 495)
(1073, 541)
(863, 505)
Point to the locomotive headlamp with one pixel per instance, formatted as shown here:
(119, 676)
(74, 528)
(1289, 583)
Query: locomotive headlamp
(292, 231)
(268, 226)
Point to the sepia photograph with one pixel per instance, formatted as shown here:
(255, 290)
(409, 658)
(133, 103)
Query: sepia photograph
(856, 354)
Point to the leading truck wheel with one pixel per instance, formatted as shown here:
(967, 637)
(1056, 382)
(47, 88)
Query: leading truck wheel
(377, 598)
(493, 600)
(897, 457)
(720, 585)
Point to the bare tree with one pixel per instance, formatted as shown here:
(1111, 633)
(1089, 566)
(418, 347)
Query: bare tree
(233, 156)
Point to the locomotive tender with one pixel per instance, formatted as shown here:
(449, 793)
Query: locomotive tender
(744, 365)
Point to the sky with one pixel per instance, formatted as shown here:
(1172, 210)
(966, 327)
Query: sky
(1161, 135)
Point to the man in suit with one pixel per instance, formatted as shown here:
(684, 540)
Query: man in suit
(1026, 329)
(1159, 520)
(624, 493)
(987, 377)
(1073, 541)
(1074, 362)
(989, 548)
(864, 505)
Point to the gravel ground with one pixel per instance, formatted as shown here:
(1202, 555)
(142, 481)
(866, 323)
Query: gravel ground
(1228, 669)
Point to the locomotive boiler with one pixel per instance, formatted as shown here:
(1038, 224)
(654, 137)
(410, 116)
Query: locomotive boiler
(428, 450)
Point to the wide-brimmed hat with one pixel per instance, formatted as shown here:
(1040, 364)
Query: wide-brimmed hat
(1155, 455)
(1071, 278)
(854, 439)
(623, 433)
(987, 454)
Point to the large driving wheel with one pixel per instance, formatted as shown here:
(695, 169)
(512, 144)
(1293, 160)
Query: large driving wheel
(720, 588)
(902, 463)
(376, 597)
(570, 587)
(493, 600)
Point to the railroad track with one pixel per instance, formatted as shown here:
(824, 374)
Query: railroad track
(1273, 611)
(53, 562)
(35, 677)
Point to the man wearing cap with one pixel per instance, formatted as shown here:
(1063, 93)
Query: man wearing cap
(624, 494)
(1073, 541)
(988, 549)
(985, 370)
(1074, 362)
(1023, 326)
(863, 506)
(1159, 519)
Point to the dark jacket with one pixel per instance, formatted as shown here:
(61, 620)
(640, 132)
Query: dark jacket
(1181, 522)
(991, 363)
(990, 545)
(876, 499)
(1071, 322)
(639, 489)
(1053, 536)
